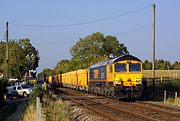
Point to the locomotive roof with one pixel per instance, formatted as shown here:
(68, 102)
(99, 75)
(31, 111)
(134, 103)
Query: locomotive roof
(120, 58)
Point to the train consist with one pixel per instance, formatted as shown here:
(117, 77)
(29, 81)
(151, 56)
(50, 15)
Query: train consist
(120, 77)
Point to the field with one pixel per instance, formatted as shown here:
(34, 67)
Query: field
(162, 73)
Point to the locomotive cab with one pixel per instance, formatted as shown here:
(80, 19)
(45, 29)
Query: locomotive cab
(127, 73)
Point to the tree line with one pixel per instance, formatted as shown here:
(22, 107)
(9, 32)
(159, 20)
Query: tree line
(161, 65)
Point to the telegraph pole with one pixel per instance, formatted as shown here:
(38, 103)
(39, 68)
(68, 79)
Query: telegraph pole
(153, 42)
(7, 53)
(153, 51)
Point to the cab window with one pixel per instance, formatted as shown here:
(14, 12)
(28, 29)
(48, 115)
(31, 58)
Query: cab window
(134, 67)
(19, 88)
(120, 67)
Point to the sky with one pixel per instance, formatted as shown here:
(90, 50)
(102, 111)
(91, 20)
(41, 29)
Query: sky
(56, 25)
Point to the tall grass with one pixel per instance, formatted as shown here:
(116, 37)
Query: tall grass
(29, 114)
(57, 111)
(171, 101)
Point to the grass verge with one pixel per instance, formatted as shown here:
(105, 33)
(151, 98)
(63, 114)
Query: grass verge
(171, 101)
(55, 110)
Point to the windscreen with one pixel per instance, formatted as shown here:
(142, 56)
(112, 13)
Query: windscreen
(134, 67)
(120, 67)
(26, 86)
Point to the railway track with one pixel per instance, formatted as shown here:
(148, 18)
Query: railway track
(116, 110)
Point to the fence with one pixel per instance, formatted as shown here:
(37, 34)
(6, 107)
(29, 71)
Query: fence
(153, 89)
(40, 116)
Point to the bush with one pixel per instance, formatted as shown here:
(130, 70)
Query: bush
(3, 85)
(172, 86)
(37, 92)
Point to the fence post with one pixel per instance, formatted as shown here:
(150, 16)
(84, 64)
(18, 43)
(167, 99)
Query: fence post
(37, 108)
(164, 96)
(175, 98)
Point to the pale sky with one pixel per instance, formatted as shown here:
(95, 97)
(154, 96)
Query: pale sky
(134, 17)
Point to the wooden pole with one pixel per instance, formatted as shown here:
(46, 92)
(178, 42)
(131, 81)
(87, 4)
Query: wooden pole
(7, 53)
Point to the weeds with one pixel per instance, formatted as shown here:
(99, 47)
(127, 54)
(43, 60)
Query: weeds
(57, 111)
(30, 113)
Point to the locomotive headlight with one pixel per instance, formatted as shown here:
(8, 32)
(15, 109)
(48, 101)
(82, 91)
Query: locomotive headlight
(139, 82)
(117, 82)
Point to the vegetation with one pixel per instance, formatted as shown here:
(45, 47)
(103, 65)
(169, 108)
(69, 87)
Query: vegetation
(30, 113)
(18, 64)
(47, 72)
(94, 48)
(171, 101)
(3, 84)
(36, 92)
(57, 111)
(161, 65)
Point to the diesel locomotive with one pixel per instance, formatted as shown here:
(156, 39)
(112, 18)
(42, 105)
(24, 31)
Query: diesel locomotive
(120, 77)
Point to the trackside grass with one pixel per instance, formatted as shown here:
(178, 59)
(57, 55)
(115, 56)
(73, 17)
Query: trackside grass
(58, 111)
(29, 114)
(55, 110)
(171, 101)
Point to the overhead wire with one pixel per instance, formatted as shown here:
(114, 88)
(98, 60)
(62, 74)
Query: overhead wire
(134, 30)
(82, 23)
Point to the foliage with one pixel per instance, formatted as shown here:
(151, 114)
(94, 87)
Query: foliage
(161, 65)
(94, 48)
(147, 65)
(3, 85)
(176, 65)
(18, 50)
(29, 49)
(47, 72)
(36, 92)
(62, 66)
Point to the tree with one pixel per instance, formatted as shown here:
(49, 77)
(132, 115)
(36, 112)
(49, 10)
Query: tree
(47, 72)
(18, 64)
(2, 57)
(62, 66)
(147, 65)
(176, 65)
(29, 49)
(94, 48)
